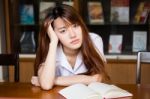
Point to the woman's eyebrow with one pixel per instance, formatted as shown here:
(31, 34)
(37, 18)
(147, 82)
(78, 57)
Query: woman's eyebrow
(59, 28)
(63, 26)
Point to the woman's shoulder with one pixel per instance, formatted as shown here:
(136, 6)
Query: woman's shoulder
(95, 36)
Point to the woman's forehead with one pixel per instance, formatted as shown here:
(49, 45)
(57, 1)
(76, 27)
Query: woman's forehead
(62, 21)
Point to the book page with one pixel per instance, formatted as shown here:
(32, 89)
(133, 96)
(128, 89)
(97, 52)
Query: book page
(109, 91)
(79, 91)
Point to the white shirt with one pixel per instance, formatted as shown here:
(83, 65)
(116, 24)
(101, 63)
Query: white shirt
(63, 68)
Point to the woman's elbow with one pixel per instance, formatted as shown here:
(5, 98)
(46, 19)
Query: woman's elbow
(47, 86)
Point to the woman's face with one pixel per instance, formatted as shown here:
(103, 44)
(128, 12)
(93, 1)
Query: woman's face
(70, 35)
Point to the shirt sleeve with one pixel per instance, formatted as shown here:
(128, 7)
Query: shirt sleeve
(98, 43)
(57, 73)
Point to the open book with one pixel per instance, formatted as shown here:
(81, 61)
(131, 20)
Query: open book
(94, 90)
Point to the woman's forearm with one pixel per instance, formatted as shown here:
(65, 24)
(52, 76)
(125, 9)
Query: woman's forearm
(69, 80)
(47, 72)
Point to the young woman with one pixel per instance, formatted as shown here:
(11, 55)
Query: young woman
(67, 52)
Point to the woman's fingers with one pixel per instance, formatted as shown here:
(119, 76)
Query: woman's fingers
(34, 81)
(51, 33)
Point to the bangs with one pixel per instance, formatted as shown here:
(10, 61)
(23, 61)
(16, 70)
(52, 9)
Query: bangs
(69, 22)
(66, 13)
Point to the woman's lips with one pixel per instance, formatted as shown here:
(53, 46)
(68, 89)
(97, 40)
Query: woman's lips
(75, 41)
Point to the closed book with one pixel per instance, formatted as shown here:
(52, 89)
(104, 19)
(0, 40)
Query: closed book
(139, 41)
(119, 12)
(142, 13)
(45, 9)
(95, 12)
(26, 14)
(115, 43)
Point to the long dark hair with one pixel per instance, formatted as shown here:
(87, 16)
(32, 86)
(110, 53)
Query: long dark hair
(91, 58)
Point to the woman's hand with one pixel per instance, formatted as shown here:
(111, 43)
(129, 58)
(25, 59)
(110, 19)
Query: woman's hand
(97, 78)
(52, 35)
(35, 81)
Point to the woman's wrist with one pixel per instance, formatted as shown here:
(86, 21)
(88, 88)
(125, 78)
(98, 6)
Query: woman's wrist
(53, 43)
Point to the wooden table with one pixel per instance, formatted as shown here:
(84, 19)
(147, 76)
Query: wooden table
(27, 91)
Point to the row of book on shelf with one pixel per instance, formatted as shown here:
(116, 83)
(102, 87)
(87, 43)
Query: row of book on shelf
(139, 42)
(28, 45)
(27, 12)
(119, 12)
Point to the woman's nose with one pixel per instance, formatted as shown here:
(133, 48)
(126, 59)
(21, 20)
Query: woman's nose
(72, 33)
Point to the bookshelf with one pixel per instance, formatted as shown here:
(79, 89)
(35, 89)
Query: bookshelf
(105, 28)
(125, 29)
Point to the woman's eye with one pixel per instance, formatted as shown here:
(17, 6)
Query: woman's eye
(75, 25)
(62, 31)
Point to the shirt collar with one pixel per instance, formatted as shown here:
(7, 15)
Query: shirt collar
(61, 58)
(78, 62)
